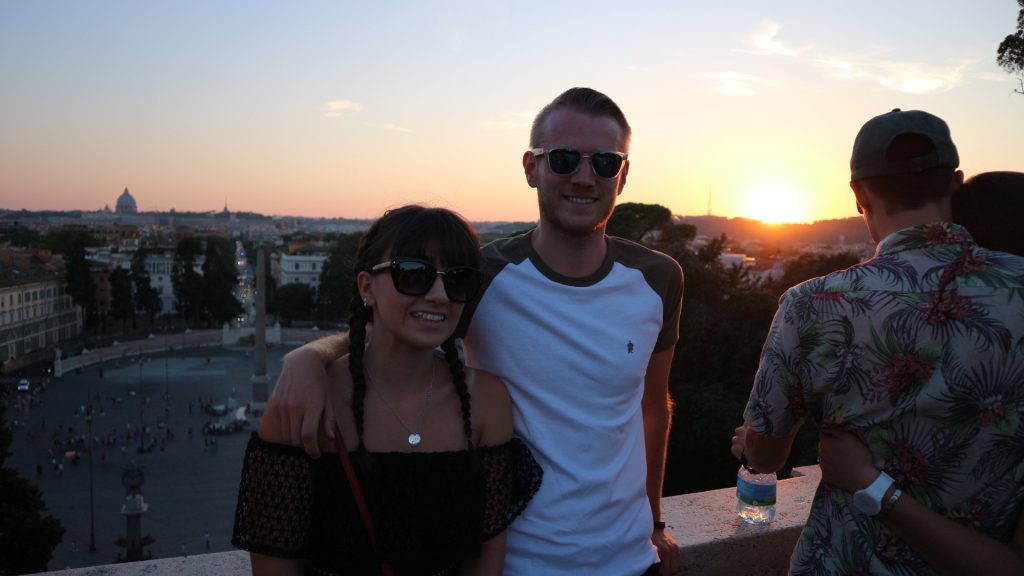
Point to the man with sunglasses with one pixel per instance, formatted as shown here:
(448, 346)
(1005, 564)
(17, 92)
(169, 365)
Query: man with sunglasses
(582, 328)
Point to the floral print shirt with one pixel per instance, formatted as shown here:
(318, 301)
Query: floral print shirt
(918, 351)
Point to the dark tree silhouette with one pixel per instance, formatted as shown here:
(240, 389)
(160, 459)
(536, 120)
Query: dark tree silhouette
(727, 312)
(220, 276)
(81, 287)
(335, 290)
(63, 241)
(188, 284)
(1010, 54)
(634, 221)
(28, 535)
(122, 304)
(294, 302)
(147, 300)
(807, 266)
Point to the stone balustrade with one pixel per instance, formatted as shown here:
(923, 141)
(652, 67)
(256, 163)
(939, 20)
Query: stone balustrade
(714, 540)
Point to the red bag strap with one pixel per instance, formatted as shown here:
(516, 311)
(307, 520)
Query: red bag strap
(357, 492)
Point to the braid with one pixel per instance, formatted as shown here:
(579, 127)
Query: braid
(359, 315)
(459, 380)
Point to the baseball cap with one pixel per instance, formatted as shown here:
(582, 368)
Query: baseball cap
(872, 143)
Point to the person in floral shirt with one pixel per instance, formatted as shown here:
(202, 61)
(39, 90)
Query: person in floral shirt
(919, 354)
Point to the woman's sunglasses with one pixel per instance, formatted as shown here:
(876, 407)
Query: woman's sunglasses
(415, 277)
(565, 161)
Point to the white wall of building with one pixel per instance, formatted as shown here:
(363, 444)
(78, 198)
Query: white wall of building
(301, 268)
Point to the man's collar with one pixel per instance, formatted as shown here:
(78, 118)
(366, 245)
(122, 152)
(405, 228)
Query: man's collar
(924, 236)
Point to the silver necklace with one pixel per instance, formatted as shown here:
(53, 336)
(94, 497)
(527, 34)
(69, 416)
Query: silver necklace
(414, 437)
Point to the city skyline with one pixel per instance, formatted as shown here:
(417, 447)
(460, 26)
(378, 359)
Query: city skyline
(338, 110)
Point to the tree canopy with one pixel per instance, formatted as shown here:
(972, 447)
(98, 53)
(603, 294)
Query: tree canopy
(727, 311)
(188, 284)
(147, 299)
(634, 221)
(122, 303)
(294, 302)
(28, 535)
(64, 240)
(336, 279)
(220, 276)
(78, 275)
(1010, 54)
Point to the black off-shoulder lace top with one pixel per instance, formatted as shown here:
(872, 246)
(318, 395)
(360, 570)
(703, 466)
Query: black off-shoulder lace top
(430, 510)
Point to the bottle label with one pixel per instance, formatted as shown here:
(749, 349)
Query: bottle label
(755, 494)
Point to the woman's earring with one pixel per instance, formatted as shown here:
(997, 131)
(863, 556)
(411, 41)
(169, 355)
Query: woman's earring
(366, 303)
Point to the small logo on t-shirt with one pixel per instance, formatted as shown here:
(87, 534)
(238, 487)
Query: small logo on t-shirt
(629, 347)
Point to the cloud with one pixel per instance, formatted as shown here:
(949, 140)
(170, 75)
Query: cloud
(764, 42)
(736, 83)
(906, 77)
(871, 65)
(913, 78)
(394, 128)
(338, 108)
(842, 69)
(512, 121)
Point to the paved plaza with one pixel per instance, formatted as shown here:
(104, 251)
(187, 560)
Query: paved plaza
(190, 485)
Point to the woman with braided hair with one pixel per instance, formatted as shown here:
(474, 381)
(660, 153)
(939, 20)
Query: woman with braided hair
(430, 441)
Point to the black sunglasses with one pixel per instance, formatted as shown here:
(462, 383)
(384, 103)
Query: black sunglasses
(566, 161)
(415, 277)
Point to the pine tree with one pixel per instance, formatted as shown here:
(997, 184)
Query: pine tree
(1010, 54)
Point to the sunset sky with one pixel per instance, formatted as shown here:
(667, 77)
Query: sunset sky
(335, 108)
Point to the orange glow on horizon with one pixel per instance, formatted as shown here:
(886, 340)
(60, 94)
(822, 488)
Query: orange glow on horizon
(776, 204)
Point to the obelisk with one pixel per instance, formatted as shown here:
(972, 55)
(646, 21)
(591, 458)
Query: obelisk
(259, 376)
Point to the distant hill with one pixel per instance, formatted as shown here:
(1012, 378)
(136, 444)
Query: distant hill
(743, 230)
(845, 230)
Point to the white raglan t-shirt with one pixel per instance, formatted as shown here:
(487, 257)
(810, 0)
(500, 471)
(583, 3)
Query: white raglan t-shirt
(573, 353)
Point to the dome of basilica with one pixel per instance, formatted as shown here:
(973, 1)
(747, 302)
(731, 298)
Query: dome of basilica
(126, 203)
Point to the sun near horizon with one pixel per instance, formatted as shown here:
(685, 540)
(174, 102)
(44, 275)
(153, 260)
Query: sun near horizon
(776, 204)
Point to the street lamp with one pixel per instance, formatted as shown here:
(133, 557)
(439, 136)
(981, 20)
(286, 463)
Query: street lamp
(141, 407)
(92, 506)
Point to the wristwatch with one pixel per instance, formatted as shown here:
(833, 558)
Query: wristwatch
(869, 500)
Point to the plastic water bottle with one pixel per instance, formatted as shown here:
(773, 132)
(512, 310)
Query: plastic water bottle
(755, 496)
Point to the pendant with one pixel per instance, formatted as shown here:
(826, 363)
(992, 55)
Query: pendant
(414, 439)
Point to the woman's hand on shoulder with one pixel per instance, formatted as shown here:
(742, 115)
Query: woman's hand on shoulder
(492, 408)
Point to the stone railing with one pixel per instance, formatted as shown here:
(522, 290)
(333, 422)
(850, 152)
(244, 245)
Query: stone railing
(714, 540)
(164, 342)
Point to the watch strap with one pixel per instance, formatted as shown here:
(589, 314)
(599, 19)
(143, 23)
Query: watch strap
(890, 503)
(874, 493)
